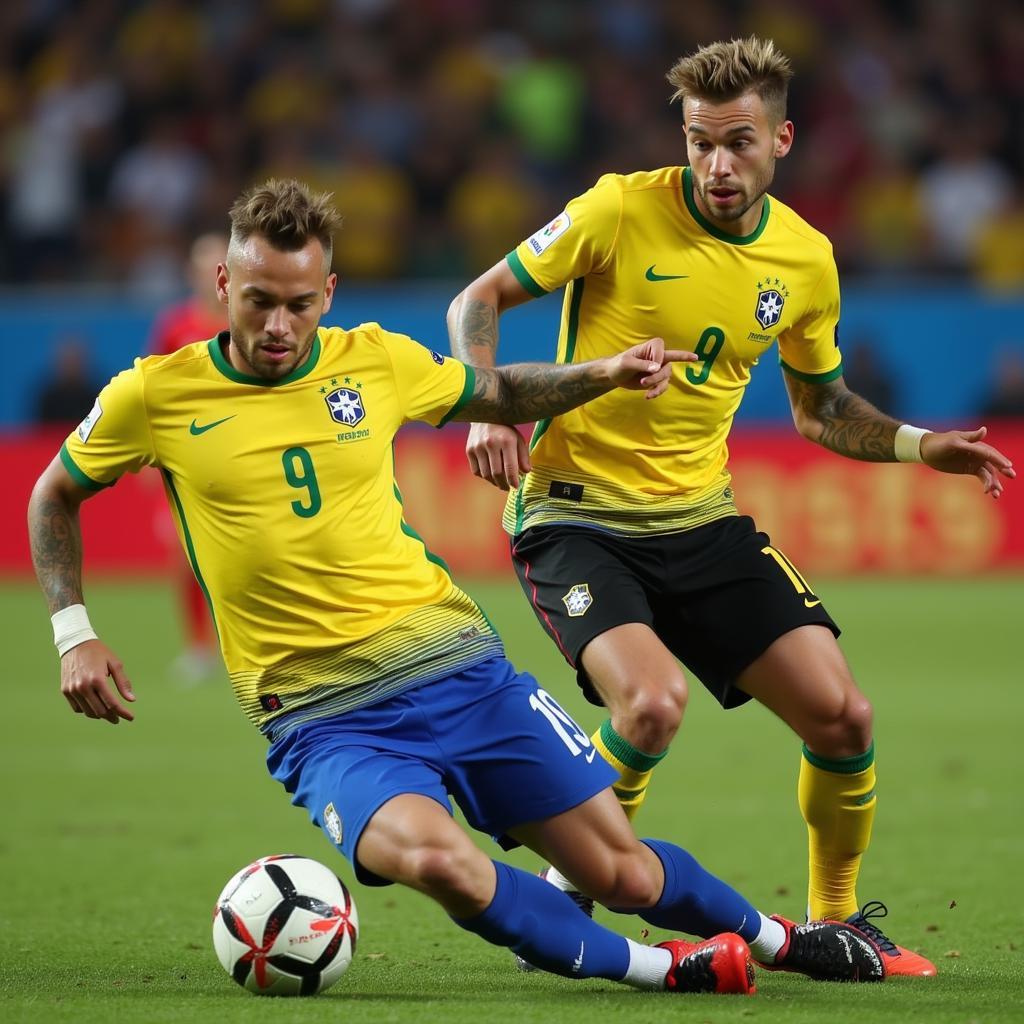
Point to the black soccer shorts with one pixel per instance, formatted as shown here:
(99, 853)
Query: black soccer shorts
(717, 596)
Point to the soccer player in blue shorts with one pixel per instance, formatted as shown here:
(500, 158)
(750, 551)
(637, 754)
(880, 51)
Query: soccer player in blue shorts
(381, 687)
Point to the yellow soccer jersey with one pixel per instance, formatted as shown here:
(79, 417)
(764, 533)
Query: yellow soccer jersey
(640, 261)
(286, 503)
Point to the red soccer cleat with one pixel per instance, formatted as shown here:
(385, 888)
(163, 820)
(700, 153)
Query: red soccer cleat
(719, 964)
(899, 962)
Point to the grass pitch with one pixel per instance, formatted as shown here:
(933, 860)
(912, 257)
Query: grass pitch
(116, 841)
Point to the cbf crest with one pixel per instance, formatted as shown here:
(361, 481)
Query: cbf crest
(346, 406)
(578, 600)
(771, 297)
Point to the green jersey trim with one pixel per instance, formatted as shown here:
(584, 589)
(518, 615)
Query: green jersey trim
(571, 334)
(410, 532)
(220, 361)
(523, 275)
(189, 546)
(812, 378)
(76, 474)
(467, 394)
(715, 232)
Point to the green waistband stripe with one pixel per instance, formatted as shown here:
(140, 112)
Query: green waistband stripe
(843, 765)
(626, 752)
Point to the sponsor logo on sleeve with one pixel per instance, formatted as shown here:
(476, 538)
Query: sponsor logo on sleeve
(547, 235)
(85, 428)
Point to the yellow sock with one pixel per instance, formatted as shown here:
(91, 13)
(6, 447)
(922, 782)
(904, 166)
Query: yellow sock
(837, 800)
(634, 767)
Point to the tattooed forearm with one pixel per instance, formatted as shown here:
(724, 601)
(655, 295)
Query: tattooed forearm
(842, 421)
(56, 541)
(473, 330)
(525, 392)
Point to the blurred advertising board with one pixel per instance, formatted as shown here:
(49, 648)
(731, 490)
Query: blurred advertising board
(830, 515)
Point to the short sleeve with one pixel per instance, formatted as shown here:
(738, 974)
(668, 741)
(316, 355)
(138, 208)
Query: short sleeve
(114, 438)
(579, 241)
(809, 349)
(431, 387)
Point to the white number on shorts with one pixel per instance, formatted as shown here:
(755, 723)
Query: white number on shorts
(575, 739)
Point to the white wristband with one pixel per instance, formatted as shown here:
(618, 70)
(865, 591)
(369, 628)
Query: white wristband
(908, 443)
(71, 627)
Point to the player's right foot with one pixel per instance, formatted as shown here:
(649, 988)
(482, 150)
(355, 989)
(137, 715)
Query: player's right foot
(899, 962)
(828, 951)
(585, 903)
(719, 964)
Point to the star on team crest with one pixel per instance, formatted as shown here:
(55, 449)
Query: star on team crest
(578, 600)
(346, 406)
(771, 297)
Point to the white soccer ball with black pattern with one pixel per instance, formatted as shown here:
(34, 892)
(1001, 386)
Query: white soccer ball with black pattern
(285, 926)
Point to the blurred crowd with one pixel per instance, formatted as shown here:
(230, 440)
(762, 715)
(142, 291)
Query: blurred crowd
(450, 129)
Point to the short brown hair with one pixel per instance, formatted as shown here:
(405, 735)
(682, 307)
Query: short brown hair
(287, 214)
(722, 71)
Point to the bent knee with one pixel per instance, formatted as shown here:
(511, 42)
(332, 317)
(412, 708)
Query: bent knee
(652, 712)
(847, 733)
(629, 885)
(446, 874)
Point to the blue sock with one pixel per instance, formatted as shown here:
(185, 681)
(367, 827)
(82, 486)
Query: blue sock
(695, 901)
(547, 929)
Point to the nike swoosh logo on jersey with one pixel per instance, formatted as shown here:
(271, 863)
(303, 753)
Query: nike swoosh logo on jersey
(652, 276)
(195, 430)
(590, 756)
(812, 604)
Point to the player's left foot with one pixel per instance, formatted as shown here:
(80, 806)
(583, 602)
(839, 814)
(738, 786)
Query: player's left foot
(899, 962)
(828, 951)
(719, 964)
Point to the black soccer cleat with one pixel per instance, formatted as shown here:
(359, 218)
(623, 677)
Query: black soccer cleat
(828, 951)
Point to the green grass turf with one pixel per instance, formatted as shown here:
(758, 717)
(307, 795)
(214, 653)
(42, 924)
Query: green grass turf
(116, 841)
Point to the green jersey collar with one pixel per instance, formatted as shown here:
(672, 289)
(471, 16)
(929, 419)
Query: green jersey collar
(722, 236)
(220, 361)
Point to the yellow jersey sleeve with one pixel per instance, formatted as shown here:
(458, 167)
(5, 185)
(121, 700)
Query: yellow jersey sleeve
(579, 241)
(809, 349)
(114, 438)
(431, 387)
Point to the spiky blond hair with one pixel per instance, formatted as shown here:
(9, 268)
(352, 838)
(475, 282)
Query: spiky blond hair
(722, 71)
(287, 213)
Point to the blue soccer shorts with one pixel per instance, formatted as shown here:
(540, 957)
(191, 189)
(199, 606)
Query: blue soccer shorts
(489, 737)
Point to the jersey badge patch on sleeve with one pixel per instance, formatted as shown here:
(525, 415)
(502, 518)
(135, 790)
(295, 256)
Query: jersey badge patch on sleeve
(771, 297)
(540, 241)
(437, 357)
(578, 600)
(332, 823)
(85, 428)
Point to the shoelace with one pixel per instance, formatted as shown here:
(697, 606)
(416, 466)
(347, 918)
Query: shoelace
(875, 908)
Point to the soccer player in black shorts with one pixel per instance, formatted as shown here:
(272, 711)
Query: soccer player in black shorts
(624, 531)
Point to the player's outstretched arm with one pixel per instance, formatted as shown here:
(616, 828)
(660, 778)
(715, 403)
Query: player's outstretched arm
(495, 452)
(834, 417)
(55, 537)
(524, 392)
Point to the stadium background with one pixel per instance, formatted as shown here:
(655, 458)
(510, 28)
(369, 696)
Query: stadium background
(448, 130)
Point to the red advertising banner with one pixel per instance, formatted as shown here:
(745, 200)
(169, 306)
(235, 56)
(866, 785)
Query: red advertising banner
(830, 515)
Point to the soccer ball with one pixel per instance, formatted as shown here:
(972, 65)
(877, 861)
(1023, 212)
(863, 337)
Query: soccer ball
(285, 926)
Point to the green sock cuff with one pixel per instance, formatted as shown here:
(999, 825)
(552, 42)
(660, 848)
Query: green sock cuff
(626, 752)
(843, 765)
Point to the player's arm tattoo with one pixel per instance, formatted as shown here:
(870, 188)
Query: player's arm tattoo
(840, 420)
(474, 332)
(55, 537)
(524, 392)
